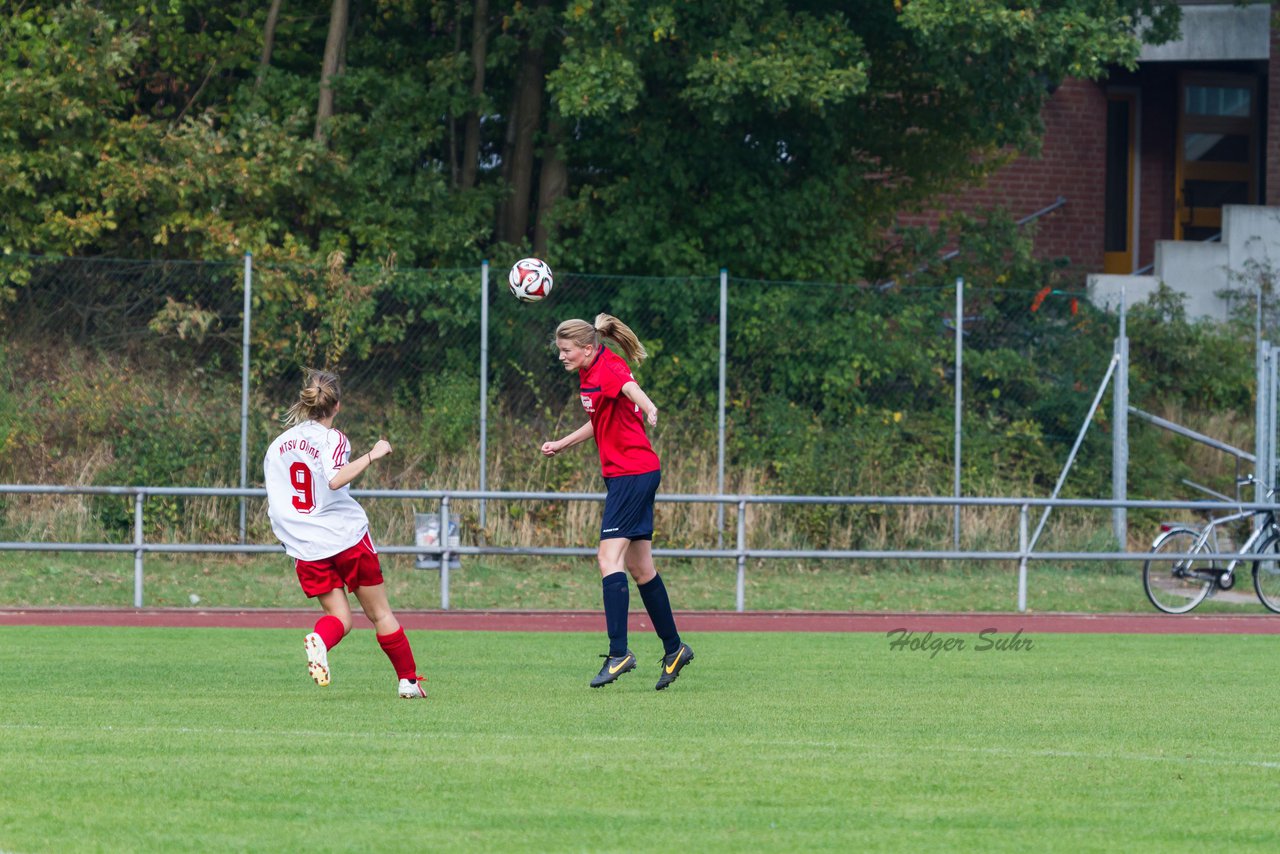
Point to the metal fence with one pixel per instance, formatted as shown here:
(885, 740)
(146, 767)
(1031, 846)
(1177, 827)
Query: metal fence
(451, 361)
(800, 388)
(1022, 551)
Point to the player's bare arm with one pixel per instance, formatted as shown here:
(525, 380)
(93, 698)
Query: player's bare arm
(577, 437)
(637, 396)
(356, 466)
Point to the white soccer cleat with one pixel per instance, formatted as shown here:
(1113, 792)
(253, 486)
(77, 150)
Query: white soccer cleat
(317, 659)
(410, 690)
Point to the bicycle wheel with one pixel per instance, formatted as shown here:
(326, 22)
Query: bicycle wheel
(1176, 585)
(1266, 574)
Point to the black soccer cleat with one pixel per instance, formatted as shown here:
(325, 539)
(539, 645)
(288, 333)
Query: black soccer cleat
(672, 665)
(614, 666)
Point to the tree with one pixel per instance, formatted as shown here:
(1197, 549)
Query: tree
(782, 136)
(268, 41)
(518, 163)
(157, 129)
(620, 136)
(334, 47)
(479, 54)
(61, 103)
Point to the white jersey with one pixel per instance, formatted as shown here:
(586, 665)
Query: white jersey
(313, 521)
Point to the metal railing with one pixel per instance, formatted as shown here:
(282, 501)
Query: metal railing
(740, 552)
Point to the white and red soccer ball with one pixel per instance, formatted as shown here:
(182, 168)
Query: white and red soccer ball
(530, 279)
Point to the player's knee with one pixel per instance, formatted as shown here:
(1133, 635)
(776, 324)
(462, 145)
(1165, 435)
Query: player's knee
(641, 572)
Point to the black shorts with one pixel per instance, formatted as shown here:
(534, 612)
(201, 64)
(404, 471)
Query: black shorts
(628, 506)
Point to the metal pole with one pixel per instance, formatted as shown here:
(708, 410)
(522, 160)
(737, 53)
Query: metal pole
(1193, 435)
(1257, 327)
(1259, 491)
(484, 382)
(1120, 438)
(137, 549)
(1260, 432)
(724, 327)
(740, 599)
(959, 324)
(1022, 564)
(244, 387)
(444, 556)
(1269, 419)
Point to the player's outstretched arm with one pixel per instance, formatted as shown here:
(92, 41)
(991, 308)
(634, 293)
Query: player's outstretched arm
(582, 434)
(355, 467)
(637, 396)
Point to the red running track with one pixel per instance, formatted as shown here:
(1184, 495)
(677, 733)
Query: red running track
(689, 621)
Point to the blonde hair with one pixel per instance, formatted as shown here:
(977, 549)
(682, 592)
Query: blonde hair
(318, 399)
(585, 334)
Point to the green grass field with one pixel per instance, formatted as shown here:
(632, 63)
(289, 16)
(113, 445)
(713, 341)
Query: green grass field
(215, 740)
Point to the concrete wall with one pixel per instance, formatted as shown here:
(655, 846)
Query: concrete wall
(1250, 246)
(1213, 32)
(1107, 291)
(1252, 236)
(1198, 270)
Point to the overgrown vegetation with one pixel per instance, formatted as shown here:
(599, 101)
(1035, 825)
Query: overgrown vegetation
(832, 389)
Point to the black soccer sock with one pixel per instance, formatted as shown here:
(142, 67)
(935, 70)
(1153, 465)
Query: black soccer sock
(654, 594)
(617, 601)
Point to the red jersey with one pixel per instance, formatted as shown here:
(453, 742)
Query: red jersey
(618, 423)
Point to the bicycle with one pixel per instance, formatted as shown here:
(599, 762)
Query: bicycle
(1178, 584)
(1175, 585)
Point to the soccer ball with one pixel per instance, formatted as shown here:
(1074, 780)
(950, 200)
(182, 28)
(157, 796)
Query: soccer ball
(530, 279)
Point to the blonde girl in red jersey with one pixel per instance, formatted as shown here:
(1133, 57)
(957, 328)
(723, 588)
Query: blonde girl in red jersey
(307, 470)
(618, 410)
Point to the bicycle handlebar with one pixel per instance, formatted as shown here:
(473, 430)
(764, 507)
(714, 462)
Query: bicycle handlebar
(1251, 479)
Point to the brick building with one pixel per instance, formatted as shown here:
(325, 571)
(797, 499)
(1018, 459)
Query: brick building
(1152, 154)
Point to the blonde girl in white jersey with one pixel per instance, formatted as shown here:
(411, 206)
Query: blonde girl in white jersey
(308, 469)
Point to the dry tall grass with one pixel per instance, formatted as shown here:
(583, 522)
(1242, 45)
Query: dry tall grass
(515, 464)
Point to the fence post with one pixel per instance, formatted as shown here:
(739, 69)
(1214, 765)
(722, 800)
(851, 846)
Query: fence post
(1259, 418)
(742, 555)
(1264, 415)
(1266, 429)
(724, 323)
(959, 324)
(244, 388)
(137, 549)
(1259, 407)
(444, 557)
(1257, 349)
(1022, 563)
(484, 383)
(1271, 418)
(1120, 438)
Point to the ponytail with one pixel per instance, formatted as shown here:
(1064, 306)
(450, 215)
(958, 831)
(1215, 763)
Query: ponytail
(318, 399)
(608, 326)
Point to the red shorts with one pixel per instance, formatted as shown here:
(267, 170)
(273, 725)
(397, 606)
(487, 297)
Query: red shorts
(355, 567)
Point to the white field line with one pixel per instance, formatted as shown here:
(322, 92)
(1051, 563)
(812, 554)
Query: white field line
(1009, 752)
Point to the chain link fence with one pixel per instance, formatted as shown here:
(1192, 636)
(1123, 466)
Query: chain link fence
(128, 372)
